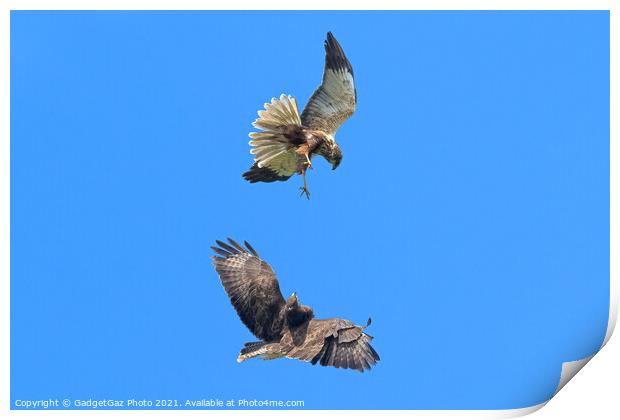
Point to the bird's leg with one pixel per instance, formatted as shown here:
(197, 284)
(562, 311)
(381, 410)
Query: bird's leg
(304, 151)
(304, 189)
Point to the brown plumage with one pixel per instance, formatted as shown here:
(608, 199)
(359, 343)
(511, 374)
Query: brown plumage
(288, 141)
(286, 328)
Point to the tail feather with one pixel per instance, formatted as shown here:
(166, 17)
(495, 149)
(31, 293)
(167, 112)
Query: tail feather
(250, 350)
(279, 113)
(266, 351)
(271, 143)
(253, 346)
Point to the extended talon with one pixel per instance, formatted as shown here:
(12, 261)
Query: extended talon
(304, 189)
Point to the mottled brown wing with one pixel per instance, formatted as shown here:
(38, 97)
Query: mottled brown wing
(333, 342)
(347, 347)
(334, 101)
(252, 287)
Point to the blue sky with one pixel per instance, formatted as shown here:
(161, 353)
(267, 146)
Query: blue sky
(469, 216)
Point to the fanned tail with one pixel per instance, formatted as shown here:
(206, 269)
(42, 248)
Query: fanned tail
(279, 113)
(278, 117)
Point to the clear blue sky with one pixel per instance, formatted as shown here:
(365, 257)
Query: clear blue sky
(469, 216)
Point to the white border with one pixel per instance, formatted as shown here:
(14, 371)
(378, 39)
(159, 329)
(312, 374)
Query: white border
(569, 369)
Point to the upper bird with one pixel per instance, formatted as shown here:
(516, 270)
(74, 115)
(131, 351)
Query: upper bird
(288, 141)
(286, 328)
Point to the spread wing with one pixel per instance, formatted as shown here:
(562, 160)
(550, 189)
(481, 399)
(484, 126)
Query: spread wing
(252, 287)
(334, 101)
(333, 342)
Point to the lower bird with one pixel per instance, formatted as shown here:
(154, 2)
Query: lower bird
(286, 328)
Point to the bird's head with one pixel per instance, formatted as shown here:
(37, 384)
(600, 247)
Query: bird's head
(335, 155)
(292, 302)
(296, 313)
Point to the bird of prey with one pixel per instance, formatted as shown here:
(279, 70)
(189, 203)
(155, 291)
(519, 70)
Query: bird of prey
(286, 328)
(288, 141)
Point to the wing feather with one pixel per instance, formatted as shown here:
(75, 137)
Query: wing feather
(334, 101)
(252, 287)
(265, 174)
(333, 342)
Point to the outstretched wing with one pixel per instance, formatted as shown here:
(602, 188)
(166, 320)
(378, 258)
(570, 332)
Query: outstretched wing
(252, 287)
(334, 101)
(333, 342)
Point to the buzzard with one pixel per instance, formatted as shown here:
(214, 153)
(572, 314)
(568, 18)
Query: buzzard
(288, 141)
(286, 328)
